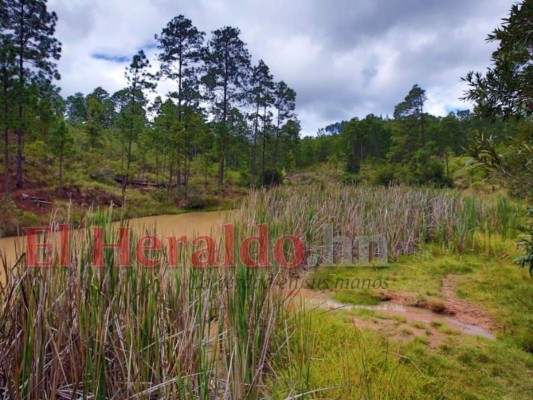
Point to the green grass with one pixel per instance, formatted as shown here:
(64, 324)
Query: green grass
(419, 325)
(362, 297)
(342, 361)
(492, 282)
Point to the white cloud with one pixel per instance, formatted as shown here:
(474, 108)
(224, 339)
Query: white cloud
(343, 58)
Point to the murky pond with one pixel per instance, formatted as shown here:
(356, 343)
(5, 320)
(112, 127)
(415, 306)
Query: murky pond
(190, 225)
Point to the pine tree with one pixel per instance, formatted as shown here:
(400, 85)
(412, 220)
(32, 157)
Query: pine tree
(181, 46)
(30, 28)
(60, 143)
(261, 97)
(285, 104)
(132, 118)
(7, 74)
(413, 106)
(76, 109)
(227, 69)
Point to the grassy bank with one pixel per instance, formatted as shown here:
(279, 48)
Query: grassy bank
(23, 213)
(432, 236)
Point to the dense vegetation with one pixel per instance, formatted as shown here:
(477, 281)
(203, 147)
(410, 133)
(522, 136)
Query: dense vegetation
(201, 333)
(227, 118)
(228, 129)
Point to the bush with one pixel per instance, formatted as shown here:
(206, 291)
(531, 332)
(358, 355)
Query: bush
(103, 174)
(384, 175)
(245, 179)
(199, 202)
(350, 179)
(526, 244)
(272, 177)
(430, 171)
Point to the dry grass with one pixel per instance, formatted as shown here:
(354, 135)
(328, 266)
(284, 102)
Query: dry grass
(407, 217)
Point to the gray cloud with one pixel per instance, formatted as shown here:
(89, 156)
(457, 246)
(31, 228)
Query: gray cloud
(344, 58)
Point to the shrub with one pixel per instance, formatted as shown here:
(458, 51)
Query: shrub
(245, 179)
(526, 243)
(199, 202)
(384, 175)
(272, 177)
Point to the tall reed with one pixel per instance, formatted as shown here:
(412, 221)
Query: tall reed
(136, 332)
(407, 217)
(201, 333)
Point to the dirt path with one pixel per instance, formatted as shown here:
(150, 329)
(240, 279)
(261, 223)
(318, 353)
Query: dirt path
(464, 310)
(404, 316)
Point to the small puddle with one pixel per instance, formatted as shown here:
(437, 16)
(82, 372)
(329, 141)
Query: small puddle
(429, 316)
(411, 314)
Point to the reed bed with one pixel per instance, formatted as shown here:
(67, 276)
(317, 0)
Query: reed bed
(135, 333)
(406, 217)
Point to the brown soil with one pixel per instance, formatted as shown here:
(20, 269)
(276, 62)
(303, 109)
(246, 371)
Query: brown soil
(403, 317)
(462, 310)
(25, 198)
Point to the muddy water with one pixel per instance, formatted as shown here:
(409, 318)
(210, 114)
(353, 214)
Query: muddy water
(190, 225)
(411, 314)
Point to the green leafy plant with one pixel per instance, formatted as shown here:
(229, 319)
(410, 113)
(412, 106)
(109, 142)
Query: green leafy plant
(526, 243)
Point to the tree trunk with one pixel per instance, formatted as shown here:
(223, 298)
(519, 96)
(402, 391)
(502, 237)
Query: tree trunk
(263, 160)
(6, 139)
(178, 173)
(276, 146)
(126, 175)
(20, 130)
(6, 163)
(163, 168)
(20, 150)
(170, 175)
(61, 171)
(264, 147)
(157, 167)
(187, 171)
(423, 129)
(223, 134)
(254, 148)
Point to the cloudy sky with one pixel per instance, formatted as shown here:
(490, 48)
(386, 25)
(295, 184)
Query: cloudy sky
(344, 58)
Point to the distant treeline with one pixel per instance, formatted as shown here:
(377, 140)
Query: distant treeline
(412, 147)
(225, 111)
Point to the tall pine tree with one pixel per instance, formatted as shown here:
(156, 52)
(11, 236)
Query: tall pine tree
(285, 104)
(261, 97)
(30, 28)
(133, 117)
(181, 45)
(227, 69)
